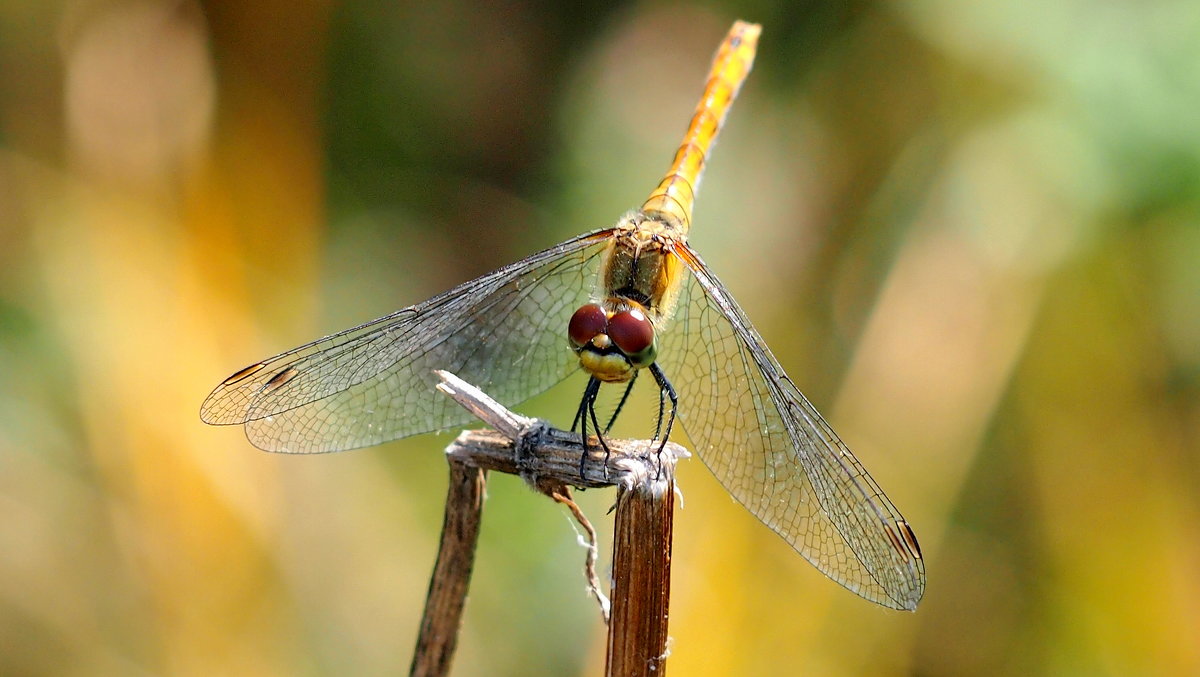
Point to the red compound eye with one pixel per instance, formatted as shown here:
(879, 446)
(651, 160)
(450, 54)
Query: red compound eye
(631, 331)
(588, 321)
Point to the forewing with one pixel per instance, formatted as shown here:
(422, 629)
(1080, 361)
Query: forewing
(771, 449)
(504, 332)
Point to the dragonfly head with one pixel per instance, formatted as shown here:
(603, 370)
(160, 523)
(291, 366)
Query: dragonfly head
(612, 345)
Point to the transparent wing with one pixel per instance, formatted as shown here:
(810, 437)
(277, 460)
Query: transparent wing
(771, 449)
(504, 332)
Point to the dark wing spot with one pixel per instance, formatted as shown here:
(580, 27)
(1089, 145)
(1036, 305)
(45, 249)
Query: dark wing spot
(281, 378)
(243, 373)
(907, 547)
(910, 538)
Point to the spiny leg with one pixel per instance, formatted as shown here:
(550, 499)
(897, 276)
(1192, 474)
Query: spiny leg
(662, 405)
(621, 404)
(587, 405)
(599, 435)
(581, 411)
(664, 386)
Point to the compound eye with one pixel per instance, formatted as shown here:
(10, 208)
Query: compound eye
(631, 331)
(585, 324)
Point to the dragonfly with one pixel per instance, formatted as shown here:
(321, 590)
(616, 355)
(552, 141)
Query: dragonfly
(634, 296)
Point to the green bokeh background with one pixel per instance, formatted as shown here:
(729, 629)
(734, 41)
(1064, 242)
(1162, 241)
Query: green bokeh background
(970, 231)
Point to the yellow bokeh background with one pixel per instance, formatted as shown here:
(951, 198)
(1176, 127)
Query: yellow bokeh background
(970, 232)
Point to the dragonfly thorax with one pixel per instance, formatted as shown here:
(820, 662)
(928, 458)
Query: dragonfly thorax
(640, 267)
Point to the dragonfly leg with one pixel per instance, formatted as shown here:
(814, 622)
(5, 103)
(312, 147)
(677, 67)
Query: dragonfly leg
(599, 434)
(587, 405)
(581, 412)
(662, 406)
(621, 404)
(664, 387)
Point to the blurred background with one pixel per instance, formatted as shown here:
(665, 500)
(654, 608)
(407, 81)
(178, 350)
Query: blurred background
(970, 231)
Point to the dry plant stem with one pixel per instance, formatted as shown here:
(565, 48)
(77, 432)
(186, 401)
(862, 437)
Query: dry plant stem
(563, 495)
(452, 573)
(547, 457)
(549, 460)
(641, 587)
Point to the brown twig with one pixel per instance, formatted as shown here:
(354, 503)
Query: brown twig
(637, 634)
(452, 573)
(589, 564)
(549, 460)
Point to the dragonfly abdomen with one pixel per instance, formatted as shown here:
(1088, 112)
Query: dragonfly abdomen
(675, 195)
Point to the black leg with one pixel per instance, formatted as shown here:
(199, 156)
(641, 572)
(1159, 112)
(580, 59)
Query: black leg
(665, 386)
(580, 412)
(587, 405)
(599, 435)
(621, 404)
(662, 405)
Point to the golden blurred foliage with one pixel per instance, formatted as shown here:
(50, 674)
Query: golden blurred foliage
(970, 231)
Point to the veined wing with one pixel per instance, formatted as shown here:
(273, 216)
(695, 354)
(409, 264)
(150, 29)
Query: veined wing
(504, 332)
(771, 449)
